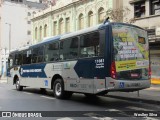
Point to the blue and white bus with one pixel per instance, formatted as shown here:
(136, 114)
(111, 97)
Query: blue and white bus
(94, 61)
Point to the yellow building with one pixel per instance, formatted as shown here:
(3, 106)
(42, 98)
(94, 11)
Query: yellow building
(70, 15)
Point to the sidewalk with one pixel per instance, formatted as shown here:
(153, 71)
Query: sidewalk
(3, 80)
(150, 95)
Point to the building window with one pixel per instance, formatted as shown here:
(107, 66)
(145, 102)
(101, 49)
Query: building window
(55, 28)
(17, 0)
(101, 15)
(29, 22)
(155, 7)
(45, 31)
(40, 32)
(61, 26)
(28, 32)
(139, 9)
(90, 19)
(36, 33)
(67, 25)
(29, 14)
(81, 21)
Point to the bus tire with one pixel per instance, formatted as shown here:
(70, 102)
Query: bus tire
(58, 89)
(18, 86)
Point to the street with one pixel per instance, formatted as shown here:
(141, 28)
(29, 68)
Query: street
(31, 99)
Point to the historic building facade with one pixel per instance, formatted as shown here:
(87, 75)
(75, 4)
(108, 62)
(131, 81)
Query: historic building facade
(68, 16)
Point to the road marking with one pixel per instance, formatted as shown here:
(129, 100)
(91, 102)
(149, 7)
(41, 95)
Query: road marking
(137, 108)
(48, 97)
(27, 93)
(98, 116)
(112, 110)
(65, 118)
(0, 107)
(150, 118)
(118, 111)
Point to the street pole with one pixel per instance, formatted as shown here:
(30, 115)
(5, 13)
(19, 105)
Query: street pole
(9, 37)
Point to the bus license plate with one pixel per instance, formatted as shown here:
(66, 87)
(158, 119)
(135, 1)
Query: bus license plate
(134, 75)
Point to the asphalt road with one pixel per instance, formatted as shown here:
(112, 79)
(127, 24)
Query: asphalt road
(78, 107)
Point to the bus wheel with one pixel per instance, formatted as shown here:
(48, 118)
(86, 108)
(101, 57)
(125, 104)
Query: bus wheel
(58, 89)
(18, 86)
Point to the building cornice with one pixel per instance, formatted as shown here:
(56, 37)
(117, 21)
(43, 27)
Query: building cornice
(51, 10)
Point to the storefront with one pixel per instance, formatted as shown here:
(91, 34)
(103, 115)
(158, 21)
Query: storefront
(154, 38)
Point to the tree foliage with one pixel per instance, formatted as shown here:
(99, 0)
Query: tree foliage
(118, 15)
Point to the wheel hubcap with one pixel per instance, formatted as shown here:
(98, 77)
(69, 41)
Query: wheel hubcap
(17, 84)
(58, 89)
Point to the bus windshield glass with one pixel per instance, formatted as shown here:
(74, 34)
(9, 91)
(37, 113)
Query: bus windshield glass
(131, 52)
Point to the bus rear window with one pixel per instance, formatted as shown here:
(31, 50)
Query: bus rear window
(131, 52)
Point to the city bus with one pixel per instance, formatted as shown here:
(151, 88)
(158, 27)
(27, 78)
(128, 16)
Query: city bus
(94, 61)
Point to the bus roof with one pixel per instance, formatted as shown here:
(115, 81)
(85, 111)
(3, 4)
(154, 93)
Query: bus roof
(72, 34)
(54, 38)
(79, 32)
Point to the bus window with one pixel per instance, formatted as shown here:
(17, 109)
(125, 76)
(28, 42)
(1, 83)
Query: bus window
(89, 45)
(52, 52)
(102, 42)
(69, 49)
(18, 59)
(131, 53)
(37, 54)
(27, 57)
(10, 60)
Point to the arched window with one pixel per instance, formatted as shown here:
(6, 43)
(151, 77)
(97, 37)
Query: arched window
(101, 15)
(67, 24)
(40, 32)
(90, 19)
(61, 26)
(55, 28)
(36, 33)
(45, 31)
(81, 21)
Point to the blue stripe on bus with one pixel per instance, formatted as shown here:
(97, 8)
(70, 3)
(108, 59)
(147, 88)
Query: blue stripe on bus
(90, 68)
(33, 70)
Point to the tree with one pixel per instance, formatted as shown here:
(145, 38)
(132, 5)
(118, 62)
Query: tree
(118, 15)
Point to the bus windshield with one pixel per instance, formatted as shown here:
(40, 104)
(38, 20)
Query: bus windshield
(131, 52)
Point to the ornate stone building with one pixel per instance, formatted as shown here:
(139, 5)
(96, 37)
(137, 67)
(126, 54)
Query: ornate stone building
(70, 15)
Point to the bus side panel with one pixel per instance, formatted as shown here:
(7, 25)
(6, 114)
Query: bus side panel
(99, 85)
(38, 82)
(126, 85)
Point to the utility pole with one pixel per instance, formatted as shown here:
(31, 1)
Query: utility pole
(9, 37)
